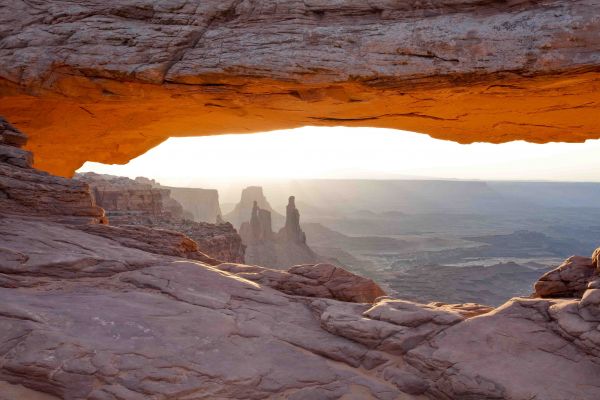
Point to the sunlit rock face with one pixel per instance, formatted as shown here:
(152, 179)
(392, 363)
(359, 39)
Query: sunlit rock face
(94, 311)
(108, 81)
(124, 198)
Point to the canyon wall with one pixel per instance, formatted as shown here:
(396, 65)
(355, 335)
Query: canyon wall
(129, 75)
(203, 204)
(123, 198)
(143, 202)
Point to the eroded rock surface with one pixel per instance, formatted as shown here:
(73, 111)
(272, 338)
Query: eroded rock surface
(320, 280)
(86, 313)
(129, 75)
(266, 248)
(27, 191)
(140, 204)
(512, 352)
(124, 199)
(570, 279)
(135, 325)
(152, 240)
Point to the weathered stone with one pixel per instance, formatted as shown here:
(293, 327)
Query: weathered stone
(144, 202)
(320, 280)
(84, 316)
(10, 136)
(510, 353)
(596, 259)
(131, 75)
(152, 240)
(27, 191)
(123, 198)
(570, 279)
(263, 247)
(467, 310)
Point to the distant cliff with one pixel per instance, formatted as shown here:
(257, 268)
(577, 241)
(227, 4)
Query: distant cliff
(123, 198)
(145, 202)
(202, 205)
(244, 209)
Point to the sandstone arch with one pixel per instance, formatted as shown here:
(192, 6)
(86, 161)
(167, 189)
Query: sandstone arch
(90, 80)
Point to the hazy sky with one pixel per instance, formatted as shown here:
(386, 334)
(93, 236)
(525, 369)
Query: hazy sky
(312, 152)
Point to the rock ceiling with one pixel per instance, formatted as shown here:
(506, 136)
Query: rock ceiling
(98, 81)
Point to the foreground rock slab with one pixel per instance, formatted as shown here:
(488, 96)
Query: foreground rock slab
(84, 317)
(166, 328)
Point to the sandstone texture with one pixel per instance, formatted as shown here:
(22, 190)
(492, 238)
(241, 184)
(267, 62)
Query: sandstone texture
(131, 74)
(146, 212)
(96, 312)
(319, 280)
(25, 190)
(123, 198)
(152, 240)
(570, 279)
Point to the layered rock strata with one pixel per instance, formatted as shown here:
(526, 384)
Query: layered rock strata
(27, 191)
(98, 312)
(319, 280)
(129, 75)
(124, 198)
(85, 317)
(221, 241)
(135, 204)
(85, 313)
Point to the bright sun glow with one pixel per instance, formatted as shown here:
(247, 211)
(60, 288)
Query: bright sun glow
(312, 152)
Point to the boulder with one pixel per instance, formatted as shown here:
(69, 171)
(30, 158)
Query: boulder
(319, 280)
(570, 279)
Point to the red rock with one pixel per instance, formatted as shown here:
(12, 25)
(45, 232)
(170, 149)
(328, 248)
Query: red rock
(152, 240)
(320, 280)
(570, 279)
(28, 191)
(143, 202)
(131, 75)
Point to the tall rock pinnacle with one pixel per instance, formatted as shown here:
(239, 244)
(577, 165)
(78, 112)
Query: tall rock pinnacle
(292, 232)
